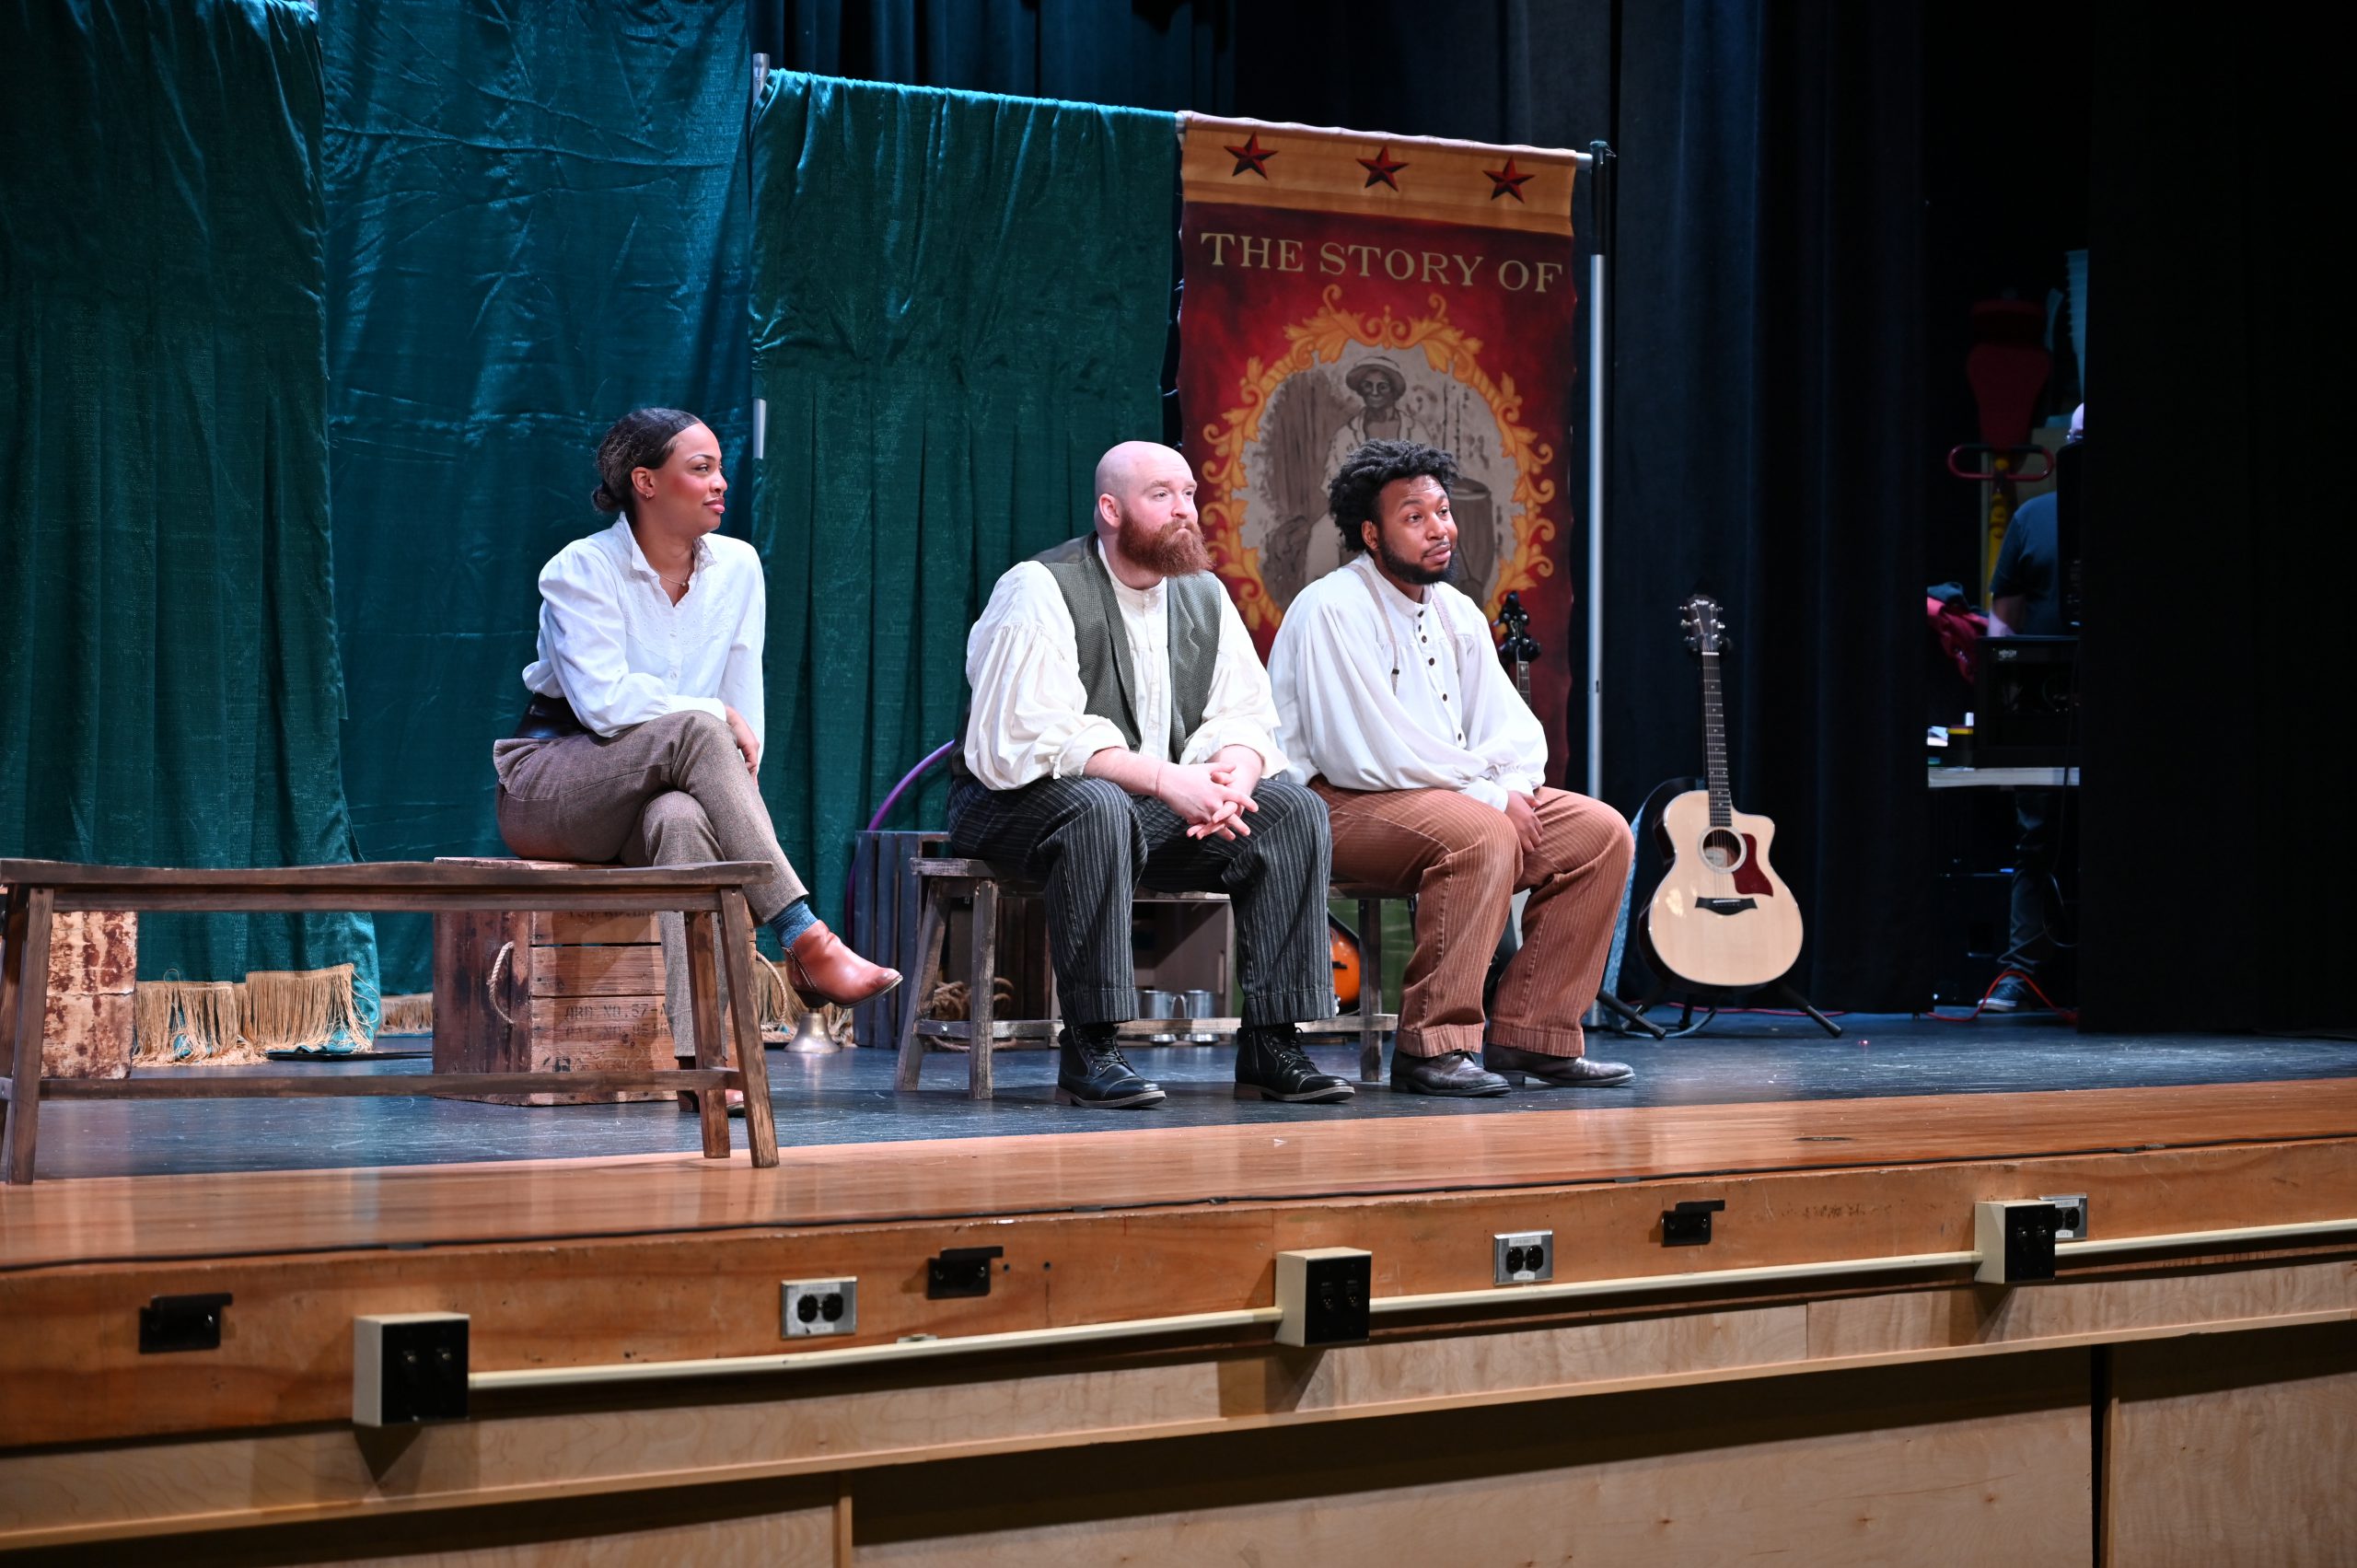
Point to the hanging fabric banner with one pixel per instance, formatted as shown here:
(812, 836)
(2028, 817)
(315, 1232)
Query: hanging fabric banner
(1341, 288)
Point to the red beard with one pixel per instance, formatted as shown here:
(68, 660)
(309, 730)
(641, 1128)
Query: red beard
(1175, 550)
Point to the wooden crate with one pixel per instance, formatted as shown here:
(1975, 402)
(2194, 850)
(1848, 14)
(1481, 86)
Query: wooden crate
(581, 993)
(93, 967)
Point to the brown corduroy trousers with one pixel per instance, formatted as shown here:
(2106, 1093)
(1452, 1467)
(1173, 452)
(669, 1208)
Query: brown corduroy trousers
(1462, 862)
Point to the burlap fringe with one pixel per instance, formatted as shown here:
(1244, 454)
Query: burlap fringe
(187, 1020)
(301, 1009)
(221, 1024)
(410, 1015)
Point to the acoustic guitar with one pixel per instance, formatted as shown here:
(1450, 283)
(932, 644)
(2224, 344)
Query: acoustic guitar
(1721, 918)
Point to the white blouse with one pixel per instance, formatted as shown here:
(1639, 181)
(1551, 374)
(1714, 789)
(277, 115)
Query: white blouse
(614, 645)
(1379, 692)
(1030, 718)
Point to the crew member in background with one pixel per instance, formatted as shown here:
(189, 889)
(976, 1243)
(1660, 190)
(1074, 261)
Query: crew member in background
(2026, 601)
(1395, 707)
(1121, 733)
(642, 740)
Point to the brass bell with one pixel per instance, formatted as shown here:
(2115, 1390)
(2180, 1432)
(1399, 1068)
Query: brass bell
(811, 1036)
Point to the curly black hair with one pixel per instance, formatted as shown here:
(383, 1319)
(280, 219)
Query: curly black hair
(639, 439)
(1357, 486)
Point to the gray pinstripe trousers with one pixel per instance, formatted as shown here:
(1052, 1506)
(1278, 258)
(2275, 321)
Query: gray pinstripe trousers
(1093, 844)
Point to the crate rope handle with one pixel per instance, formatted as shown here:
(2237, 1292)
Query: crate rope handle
(491, 984)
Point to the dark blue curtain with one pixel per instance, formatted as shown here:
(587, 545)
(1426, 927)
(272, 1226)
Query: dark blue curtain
(2218, 549)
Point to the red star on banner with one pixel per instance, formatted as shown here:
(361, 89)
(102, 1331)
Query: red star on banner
(1251, 155)
(1509, 180)
(1380, 167)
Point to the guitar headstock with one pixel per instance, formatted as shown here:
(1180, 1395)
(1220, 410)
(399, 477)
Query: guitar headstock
(1515, 621)
(1698, 618)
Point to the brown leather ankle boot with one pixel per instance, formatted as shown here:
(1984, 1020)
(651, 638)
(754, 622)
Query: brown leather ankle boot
(826, 971)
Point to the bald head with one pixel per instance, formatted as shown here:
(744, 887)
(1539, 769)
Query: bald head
(1145, 512)
(1120, 473)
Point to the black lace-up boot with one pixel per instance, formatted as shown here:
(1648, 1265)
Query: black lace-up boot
(1095, 1073)
(1270, 1064)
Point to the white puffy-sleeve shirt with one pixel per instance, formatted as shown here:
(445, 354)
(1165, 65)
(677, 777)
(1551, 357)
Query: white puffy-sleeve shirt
(614, 645)
(1377, 690)
(1030, 718)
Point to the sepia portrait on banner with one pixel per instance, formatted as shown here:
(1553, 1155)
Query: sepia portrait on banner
(1358, 292)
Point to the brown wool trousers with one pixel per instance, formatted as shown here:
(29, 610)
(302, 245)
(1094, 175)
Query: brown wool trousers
(1464, 864)
(672, 791)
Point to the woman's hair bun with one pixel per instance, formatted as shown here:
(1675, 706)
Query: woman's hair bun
(639, 439)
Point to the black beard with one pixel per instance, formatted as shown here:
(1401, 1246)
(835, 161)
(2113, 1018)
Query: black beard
(1414, 572)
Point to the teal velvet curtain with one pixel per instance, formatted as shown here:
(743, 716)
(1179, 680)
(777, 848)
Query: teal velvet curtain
(538, 220)
(959, 301)
(169, 685)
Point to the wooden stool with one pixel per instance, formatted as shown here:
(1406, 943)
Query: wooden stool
(944, 881)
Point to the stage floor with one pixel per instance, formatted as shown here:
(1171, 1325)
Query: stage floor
(848, 1098)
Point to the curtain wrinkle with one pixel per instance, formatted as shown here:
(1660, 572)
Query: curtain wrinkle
(538, 221)
(942, 375)
(169, 687)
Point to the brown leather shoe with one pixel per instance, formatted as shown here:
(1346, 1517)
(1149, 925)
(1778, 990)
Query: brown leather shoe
(1559, 1072)
(826, 971)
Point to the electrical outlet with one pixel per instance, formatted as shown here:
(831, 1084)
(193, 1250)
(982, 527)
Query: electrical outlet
(1523, 1257)
(2070, 1216)
(817, 1307)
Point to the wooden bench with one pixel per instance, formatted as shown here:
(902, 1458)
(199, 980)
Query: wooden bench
(945, 880)
(38, 889)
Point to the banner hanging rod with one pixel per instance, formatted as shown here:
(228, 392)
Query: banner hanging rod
(1187, 117)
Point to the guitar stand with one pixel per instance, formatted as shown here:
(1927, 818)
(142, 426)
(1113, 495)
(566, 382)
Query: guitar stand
(1714, 999)
(1634, 1017)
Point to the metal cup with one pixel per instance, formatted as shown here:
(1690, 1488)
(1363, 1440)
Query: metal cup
(1198, 1005)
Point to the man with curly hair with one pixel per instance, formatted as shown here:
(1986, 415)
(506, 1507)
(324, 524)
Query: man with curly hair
(1393, 705)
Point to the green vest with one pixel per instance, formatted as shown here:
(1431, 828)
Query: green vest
(1078, 568)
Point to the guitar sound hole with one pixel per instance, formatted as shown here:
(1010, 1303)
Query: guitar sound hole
(1722, 849)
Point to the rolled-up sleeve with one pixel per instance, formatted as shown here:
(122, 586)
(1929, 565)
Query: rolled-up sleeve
(1241, 709)
(583, 638)
(1030, 719)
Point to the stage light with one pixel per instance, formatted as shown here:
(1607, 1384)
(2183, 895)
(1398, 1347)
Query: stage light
(409, 1367)
(1324, 1293)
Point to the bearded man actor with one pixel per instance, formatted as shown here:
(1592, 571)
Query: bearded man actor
(1394, 706)
(1122, 733)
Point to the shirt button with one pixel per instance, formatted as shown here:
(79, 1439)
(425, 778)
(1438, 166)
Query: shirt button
(1444, 696)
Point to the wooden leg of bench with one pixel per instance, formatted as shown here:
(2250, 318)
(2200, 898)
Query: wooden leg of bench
(703, 987)
(744, 1011)
(1370, 989)
(24, 1010)
(931, 934)
(981, 991)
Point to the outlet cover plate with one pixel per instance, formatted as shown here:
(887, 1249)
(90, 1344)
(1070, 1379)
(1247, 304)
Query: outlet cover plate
(1523, 1257)
(809, 1307)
